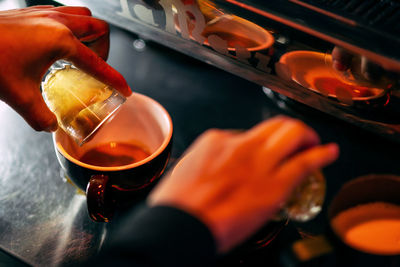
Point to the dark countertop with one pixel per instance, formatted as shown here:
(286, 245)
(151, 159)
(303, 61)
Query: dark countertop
(43, 219)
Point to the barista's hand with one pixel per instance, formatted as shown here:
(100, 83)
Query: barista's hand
(235, 182)
(32, 39)
(343, 60)
(363, 71)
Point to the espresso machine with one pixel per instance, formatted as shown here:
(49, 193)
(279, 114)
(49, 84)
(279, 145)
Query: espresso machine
(339, 57)
(223, 64)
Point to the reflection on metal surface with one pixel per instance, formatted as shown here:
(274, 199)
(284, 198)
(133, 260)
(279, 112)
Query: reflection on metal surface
(248, 38)
(72, 243)
(238, 33)
(139, 45)
(42, 220)
(223, 32)
(11, 4)
(313, 70)
(359, 70)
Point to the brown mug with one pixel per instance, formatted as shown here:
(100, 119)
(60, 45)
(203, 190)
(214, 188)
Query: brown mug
(129, 153)
(364, 225)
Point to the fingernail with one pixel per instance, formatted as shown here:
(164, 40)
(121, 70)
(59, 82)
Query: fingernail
(334, 148)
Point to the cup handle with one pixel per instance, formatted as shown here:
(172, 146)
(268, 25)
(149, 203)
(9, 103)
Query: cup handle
(304, 251)
(101, 205)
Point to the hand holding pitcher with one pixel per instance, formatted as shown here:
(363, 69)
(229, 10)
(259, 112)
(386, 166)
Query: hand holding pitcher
(211, 183)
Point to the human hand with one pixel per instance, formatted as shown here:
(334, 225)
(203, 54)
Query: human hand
(361, 70)
(33, 38)
(235, 182)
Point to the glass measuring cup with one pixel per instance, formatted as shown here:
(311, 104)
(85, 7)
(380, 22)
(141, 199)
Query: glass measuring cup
(307, 199)
(81, 103)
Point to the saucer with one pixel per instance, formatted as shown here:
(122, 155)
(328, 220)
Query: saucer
(237, 31)
(234, 30)
(313, 70)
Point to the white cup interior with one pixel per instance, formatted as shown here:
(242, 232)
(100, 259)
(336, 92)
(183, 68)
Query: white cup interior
(141, 121)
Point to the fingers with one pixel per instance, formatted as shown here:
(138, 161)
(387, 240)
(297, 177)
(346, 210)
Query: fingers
(289, 138)
(372, 71)
(86, 60)
(341, 59)
(89, 58)
(206, 143)
(101, 46)
(85, 28)
(75, 10)
(91, 31)
(263, 130)
(306, 162)
(95, 32)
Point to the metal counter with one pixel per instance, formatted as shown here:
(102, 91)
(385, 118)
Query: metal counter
(43, 218)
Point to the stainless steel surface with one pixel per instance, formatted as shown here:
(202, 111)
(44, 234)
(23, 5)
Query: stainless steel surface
(11, 4)
(295, 25)
(43, 219)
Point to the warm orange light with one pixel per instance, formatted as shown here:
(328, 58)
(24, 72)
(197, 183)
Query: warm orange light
(314, 71)
(373, 228)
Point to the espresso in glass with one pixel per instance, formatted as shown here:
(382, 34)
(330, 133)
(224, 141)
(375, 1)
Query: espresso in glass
(81, 103)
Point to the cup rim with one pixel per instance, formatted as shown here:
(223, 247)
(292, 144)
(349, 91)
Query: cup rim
(268, 38)
(153, 155)
(341, 202)
(323, 58)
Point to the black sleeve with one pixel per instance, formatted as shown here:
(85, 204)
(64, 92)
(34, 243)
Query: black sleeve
(159, 236)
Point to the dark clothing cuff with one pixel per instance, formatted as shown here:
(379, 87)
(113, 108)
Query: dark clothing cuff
(159, 236)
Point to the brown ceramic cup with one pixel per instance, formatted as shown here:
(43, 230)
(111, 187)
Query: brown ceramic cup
(365, 215)
(363, 230)
(129, 153)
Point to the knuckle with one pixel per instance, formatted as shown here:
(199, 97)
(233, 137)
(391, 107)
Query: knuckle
(104, 25)
(64, 32)
(214, 133)
(64, 39)
(51, 14)
(298, 125)
(85, 11)
(24, 101)
(58, 32)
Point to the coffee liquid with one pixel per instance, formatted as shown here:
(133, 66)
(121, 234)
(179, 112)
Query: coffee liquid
(373, 227)
(114, 154)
